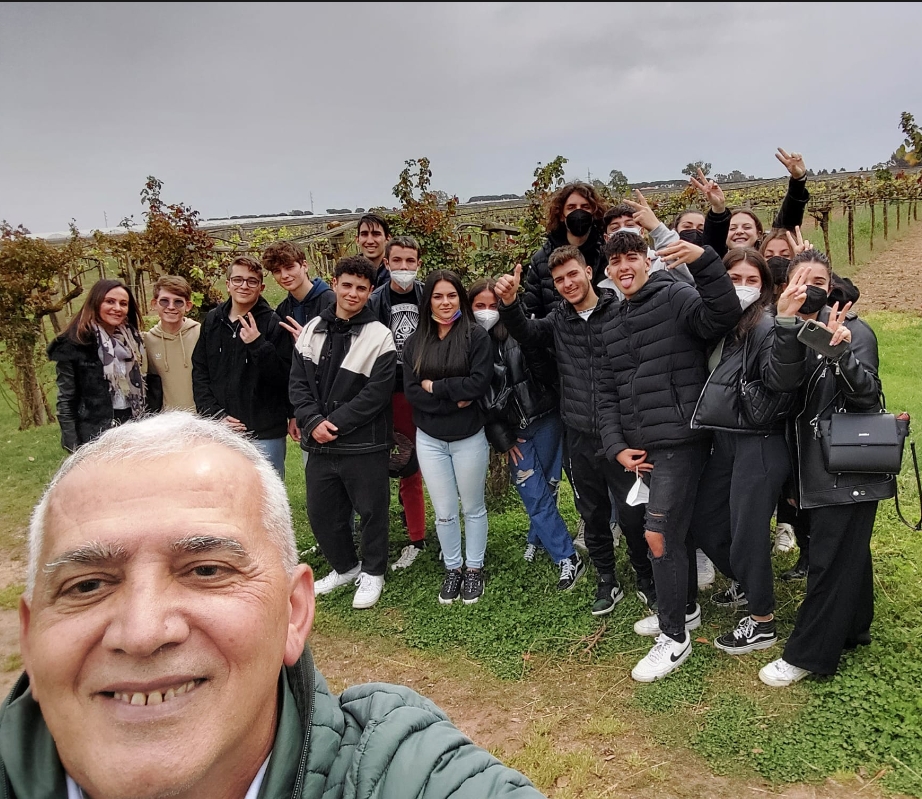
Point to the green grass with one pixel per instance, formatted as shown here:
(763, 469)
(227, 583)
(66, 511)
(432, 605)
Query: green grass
(867, 718)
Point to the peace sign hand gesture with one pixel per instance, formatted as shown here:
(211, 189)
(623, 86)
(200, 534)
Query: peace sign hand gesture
(794, 293)
(836, 324)
(797, 242)
(248, 330)
(643, 213)
(793, 162)
(711, 191)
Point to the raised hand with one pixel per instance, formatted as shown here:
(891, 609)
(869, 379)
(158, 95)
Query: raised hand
(248, 330)
(836, 324)
(793, 163)
(794, 293)
(508, 286)
(643, 214)
(711, 192)
(680, 252)
(797, 242)
(292, 326)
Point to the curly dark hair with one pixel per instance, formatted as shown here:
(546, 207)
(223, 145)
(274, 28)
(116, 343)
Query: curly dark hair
(553, 217)
(357, 266)
(622, 242)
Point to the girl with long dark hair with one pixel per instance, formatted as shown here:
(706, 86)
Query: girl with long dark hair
(749, 462)
(101, 365)
(447, 368)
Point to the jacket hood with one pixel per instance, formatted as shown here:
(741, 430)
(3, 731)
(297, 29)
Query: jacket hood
(606, 297)
(363, 317)
(261, 308)
(656, 282)
(318, 286)
(187, 325)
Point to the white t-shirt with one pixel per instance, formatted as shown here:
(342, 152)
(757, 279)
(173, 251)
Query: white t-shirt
(74, 791)
(587, 313)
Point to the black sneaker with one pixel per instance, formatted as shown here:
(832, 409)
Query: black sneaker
(646, 592)
(748, 636)
(732, 597)
(607, 594)
(472, 589)
(571, 569)
(798, 572)
(451, 586)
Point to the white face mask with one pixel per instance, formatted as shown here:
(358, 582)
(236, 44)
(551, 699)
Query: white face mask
(486, 319)
(404, 277)
(639, 493)
(747, 295)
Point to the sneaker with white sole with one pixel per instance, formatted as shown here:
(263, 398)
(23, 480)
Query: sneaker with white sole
(451, 586)
(785, 540)
(579, 542)
(571, 569)
(705, 569)
(780, 674)
(607, 594)
(336, 580)
(531, 552)
(407, 555)
(650, 624)
(472, 586)
(369, 590)
(748, 636)
(665, 657)
(732, 597)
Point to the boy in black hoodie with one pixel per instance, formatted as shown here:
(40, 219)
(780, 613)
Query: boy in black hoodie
(342, 378)
(241, 361)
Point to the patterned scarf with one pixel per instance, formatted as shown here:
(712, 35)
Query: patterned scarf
(122, 356)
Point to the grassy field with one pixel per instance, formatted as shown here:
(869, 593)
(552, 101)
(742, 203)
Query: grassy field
(867, 719)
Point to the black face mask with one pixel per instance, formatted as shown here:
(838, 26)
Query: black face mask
(779, 268)
(816, 299)
(692, 236)
(579, 222)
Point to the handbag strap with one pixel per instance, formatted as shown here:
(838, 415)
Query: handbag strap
(896, 496)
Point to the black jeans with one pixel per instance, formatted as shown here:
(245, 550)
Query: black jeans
(839, 605)
(335, 485)
(673, 486)
(736, 498)
(593, 475)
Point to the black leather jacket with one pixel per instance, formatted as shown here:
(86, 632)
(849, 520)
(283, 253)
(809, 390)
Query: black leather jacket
(825, 385)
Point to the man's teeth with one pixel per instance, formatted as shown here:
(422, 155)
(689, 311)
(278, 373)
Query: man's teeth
(154, 697)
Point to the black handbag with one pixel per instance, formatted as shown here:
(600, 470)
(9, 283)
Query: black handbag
(866, 443)
(762, 407)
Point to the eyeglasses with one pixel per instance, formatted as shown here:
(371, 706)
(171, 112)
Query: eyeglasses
(249, 282)
(176, 302)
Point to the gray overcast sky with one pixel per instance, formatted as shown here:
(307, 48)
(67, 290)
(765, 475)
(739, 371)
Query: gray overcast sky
(246, 108)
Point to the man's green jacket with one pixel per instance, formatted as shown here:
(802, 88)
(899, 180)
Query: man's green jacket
(374, 740)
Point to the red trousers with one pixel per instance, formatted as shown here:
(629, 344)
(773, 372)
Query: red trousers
(411, 488)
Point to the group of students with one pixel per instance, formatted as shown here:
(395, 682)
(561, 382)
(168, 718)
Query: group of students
(619, 363)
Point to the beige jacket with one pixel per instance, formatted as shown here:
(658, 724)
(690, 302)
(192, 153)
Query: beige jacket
(170, 356)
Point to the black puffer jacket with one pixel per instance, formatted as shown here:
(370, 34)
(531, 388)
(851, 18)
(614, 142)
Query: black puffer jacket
(824, 385)
(790, 216)
(516, 397)
(580, 350)
(246, 381)
(718, 406)
(84, 403)
(656, 364)
(540, 295)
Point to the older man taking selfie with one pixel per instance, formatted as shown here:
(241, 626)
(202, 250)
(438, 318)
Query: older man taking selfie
(163, 634)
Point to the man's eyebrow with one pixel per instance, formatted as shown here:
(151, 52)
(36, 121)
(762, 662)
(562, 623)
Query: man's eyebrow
(93, 553)
(200, 544)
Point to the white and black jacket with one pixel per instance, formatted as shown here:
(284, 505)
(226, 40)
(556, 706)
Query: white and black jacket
(350, 387)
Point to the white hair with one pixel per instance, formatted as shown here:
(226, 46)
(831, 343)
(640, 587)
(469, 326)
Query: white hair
(167, 434)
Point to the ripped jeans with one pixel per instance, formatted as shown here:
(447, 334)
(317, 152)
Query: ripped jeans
(536, 477)
(673, 488)
(453, 469)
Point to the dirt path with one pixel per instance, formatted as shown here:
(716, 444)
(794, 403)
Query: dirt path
(893, 280)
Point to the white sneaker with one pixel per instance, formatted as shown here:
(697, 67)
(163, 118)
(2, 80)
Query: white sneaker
(336, 580)
(784, 538)
(665, 657)
(369, 591)
(650, 625)
(407, 555)
(705, 569)
(615, 534)
(780, 674)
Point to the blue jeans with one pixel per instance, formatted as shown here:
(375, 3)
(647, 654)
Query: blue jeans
(452, 469)
(536, 477)
(274, 451)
